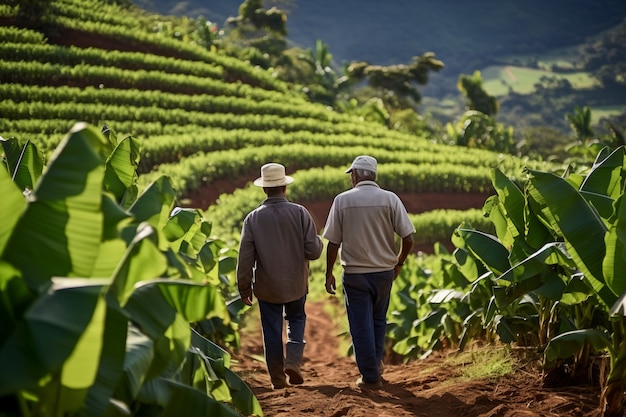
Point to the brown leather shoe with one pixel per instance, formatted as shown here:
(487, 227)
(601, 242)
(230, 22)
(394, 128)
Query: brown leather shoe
(294, 374)
(368, 385)
(279, 384)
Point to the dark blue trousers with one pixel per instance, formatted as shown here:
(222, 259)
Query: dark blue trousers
(272, 316)
(367, 301)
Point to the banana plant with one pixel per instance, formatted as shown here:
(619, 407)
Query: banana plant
(556, 264)
(98, 286)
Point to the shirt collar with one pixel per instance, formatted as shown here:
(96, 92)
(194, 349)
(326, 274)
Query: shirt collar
(367, 182)
(274, 200)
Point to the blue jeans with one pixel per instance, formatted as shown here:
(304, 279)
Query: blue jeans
(272, 325)
(367, 301)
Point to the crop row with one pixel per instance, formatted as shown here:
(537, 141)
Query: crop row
(12, 34)
(101, 12)
(439, 225)
(318, 184)
(71, 56)
(201, 170)
(139, 40)
(39, 73)
(194, 171)
(96, 113)
(199, 102)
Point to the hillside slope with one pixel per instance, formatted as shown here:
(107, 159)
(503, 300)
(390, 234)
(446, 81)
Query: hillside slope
(204, 117)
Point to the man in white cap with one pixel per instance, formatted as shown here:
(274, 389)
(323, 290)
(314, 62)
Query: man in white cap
(363, 221)
(277, 241)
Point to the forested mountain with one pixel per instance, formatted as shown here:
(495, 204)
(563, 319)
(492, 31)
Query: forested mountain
(465, 35)
(491, 36)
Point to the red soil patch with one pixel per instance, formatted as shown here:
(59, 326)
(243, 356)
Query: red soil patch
(427, 388)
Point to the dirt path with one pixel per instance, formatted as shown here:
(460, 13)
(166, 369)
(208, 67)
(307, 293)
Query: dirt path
(428, 388)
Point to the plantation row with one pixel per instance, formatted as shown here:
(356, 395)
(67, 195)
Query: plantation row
(139, 33)
(71, 56)
(38, 73)
(423, 167)
(258, 102)
(322, 184)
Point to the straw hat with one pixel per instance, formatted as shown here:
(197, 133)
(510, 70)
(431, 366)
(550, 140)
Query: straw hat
(273, 175)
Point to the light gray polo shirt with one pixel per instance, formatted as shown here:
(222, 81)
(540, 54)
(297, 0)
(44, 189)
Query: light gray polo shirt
(364, 221)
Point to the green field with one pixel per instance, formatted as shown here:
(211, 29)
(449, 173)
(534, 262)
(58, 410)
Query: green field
(500, 80)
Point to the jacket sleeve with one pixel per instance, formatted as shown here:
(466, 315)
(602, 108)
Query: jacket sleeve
(245, 261)
(313, 245)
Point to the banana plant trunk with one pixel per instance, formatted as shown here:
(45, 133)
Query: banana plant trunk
(612, 397)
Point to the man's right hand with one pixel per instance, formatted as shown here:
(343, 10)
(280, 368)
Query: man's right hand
(330, 284)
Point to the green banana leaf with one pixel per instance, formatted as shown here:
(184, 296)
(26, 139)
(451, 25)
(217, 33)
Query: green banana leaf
(512, 203)
(142, 261)
(154, 205)
(564, 210)
(178, 399)
(614, 264)
(62, 227)
(607, 175)
(568, 344)
(12, 205)
(25, 164)
(48, 335)
(111, 363)
(121, 172)
(486, 248)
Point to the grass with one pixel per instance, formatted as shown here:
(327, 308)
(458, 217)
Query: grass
(483, 362)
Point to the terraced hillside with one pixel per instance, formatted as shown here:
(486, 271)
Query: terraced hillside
(209, 121)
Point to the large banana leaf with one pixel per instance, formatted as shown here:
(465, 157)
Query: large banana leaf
(531, 274)
(48, 335)
(607, 175)
(121, 176)
(564, 210)
(485, 248)
(614, 265)
(182, 400)
(111, 364)
(62, 227)
(155, 204)
(568, 344)
(12, 205)
(24, 163)
(142, 262)
(512, 203)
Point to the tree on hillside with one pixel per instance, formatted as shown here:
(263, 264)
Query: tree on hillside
(257, 34)
(580, 122)
(396, 83)
(477, 127)
(587, 142)
(475, 95)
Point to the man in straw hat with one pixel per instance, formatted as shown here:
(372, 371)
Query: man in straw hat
(277, 241)
(364, 221)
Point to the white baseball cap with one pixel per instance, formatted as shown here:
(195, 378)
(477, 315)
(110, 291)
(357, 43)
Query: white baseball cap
(363, 162)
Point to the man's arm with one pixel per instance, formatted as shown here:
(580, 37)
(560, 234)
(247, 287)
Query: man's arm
(331, 256)
(313, 245)
(405, 249)
(245, 264)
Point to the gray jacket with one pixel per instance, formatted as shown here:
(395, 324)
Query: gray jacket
(277, 241)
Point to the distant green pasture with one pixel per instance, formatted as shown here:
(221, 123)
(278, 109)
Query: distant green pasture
(499, 80)
(600, 112)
